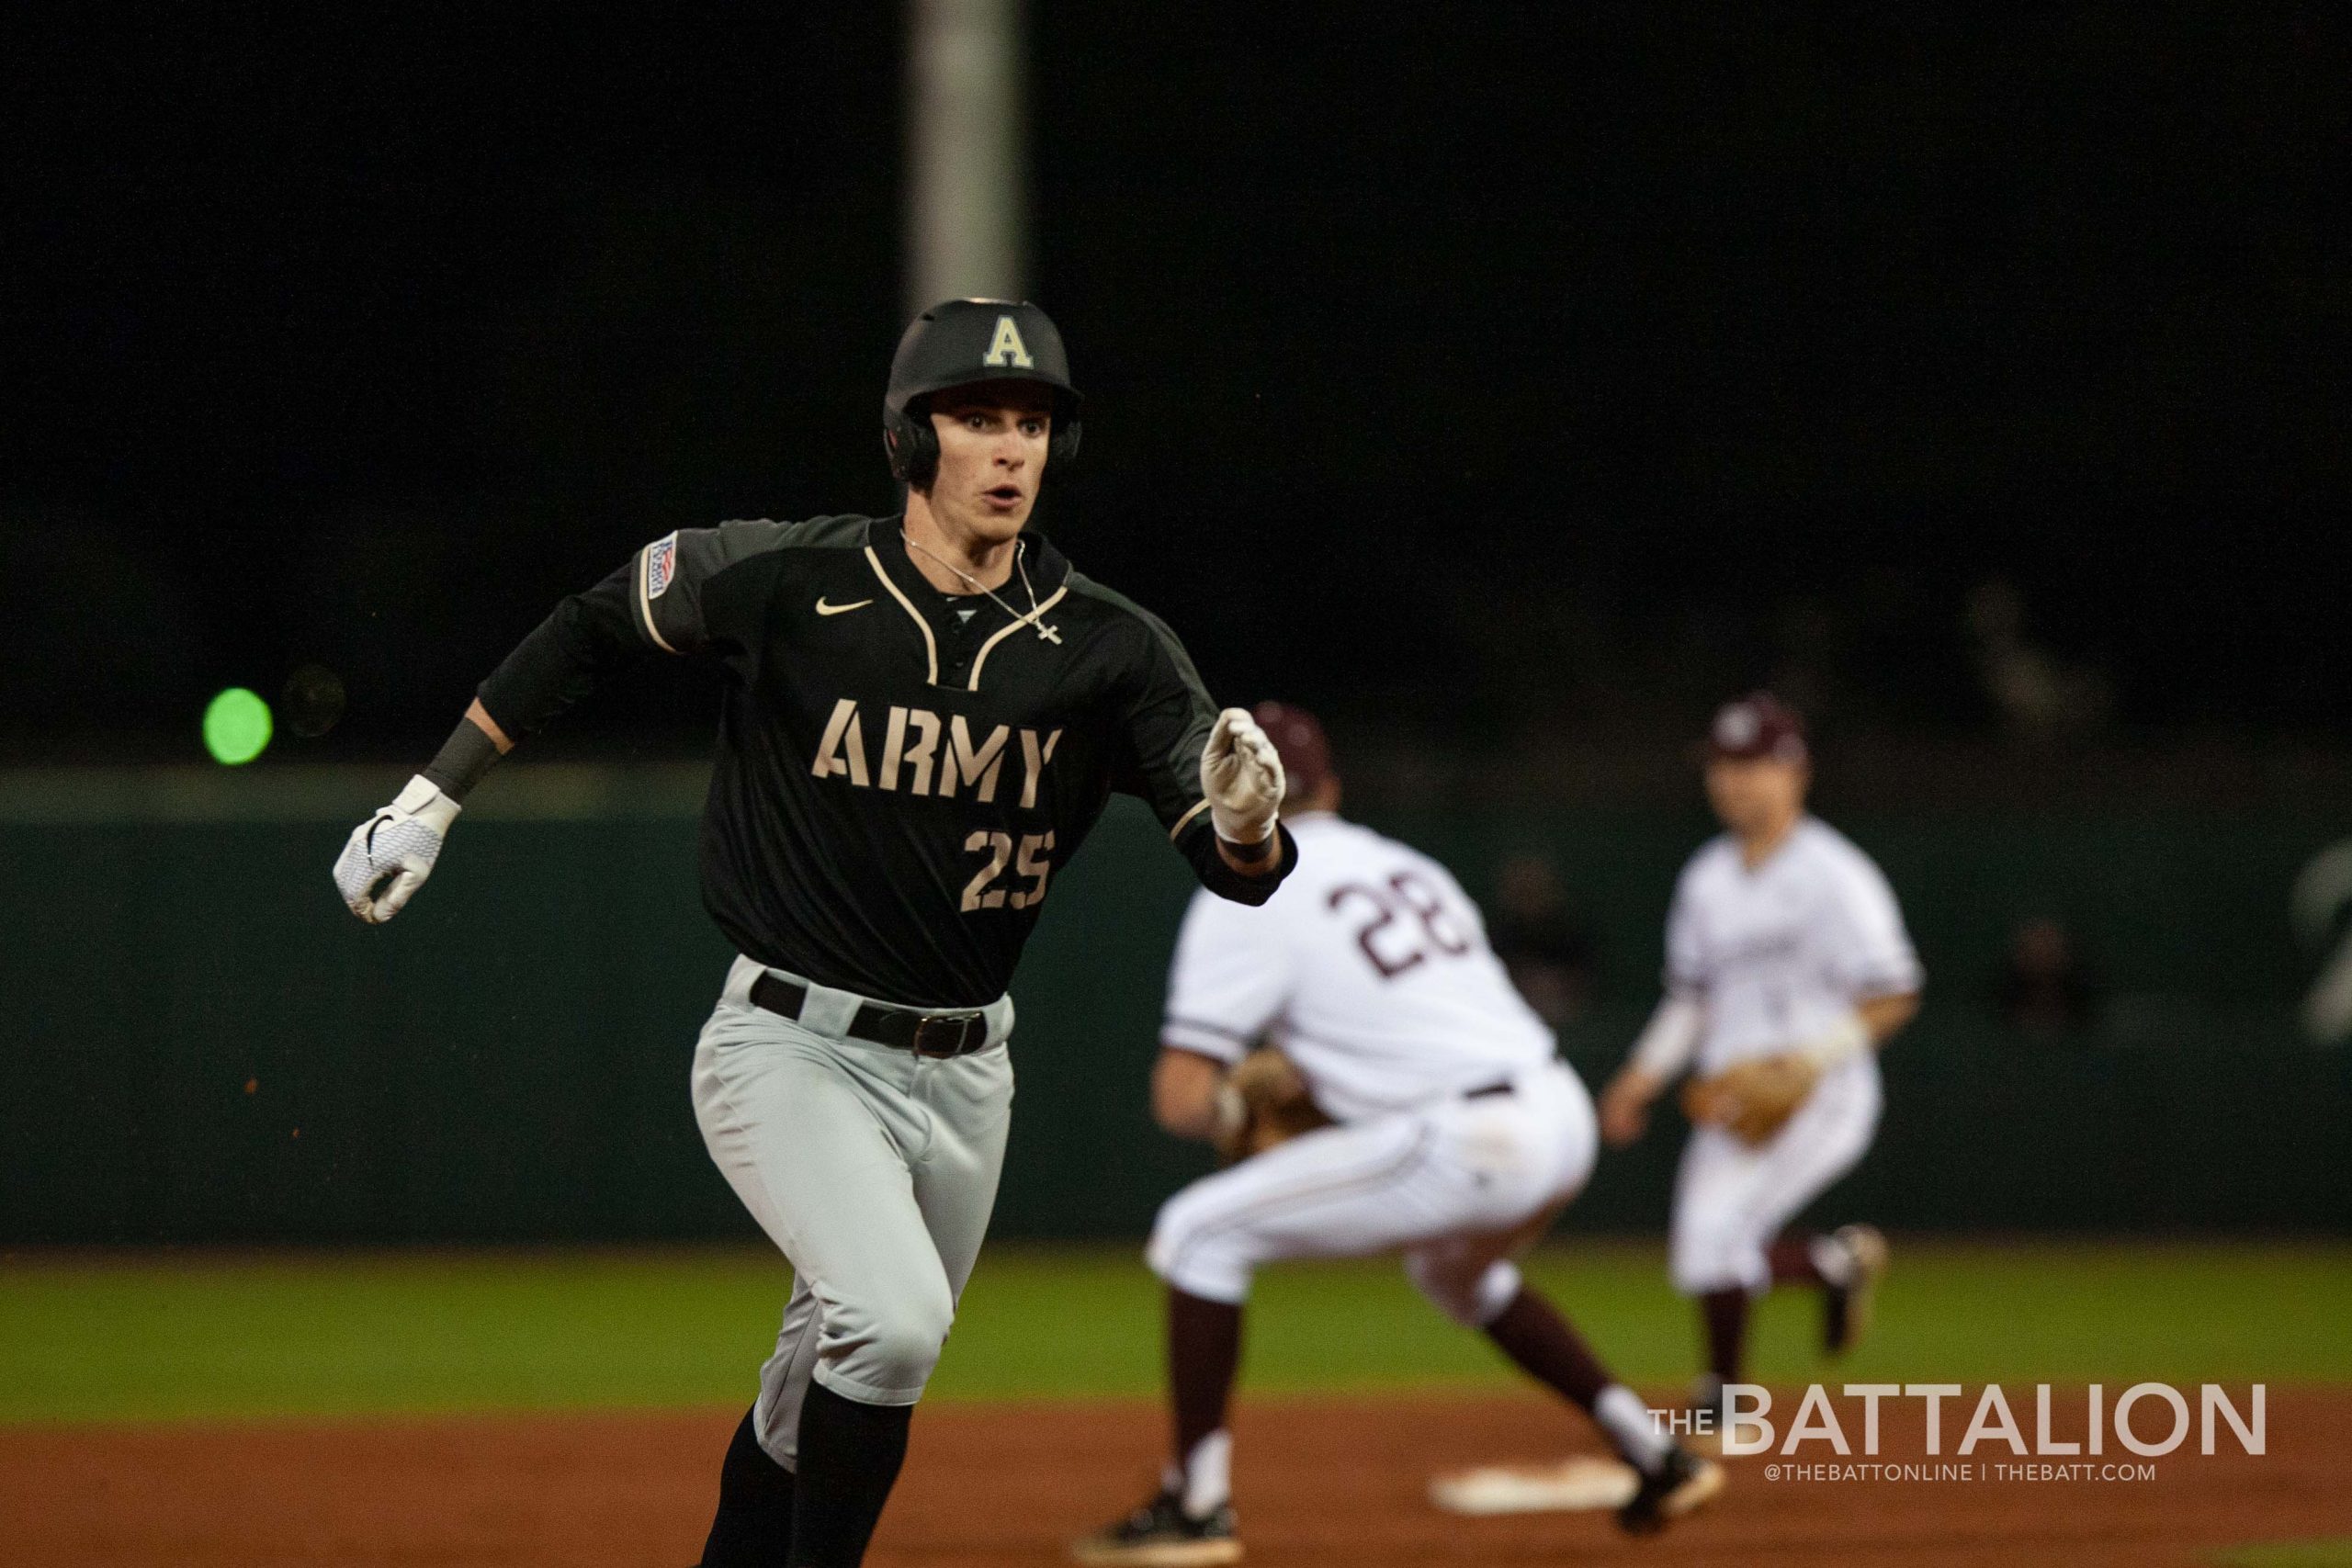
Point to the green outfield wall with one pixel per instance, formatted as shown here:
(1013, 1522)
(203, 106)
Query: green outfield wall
(198, 1044)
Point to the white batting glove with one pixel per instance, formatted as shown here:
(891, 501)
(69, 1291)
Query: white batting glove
(388, 856)
(1242, 777)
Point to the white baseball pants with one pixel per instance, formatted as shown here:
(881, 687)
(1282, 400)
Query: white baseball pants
(1454, 1185)
(1730, 1199)
(872, 1168)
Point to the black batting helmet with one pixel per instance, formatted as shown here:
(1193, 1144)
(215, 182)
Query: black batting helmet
(956, 344)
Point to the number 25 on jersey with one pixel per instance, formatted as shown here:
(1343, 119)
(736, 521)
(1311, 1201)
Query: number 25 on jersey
(1029, 861)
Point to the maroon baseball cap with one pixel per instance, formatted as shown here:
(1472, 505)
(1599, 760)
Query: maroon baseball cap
(1306, 756)
(1758, 726)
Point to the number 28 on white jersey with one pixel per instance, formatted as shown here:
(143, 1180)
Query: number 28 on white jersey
(1369, 966)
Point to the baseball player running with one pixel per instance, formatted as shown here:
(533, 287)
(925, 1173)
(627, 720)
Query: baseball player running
(926, 714)
(1787, 967)
(1442, 1125)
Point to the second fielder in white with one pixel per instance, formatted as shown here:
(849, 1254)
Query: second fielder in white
(1456, 1135)
(1785, 950)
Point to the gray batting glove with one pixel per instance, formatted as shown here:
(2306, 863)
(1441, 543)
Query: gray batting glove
(1242, 777)
(388, 856)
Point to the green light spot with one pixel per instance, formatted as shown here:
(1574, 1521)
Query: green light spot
(236, 726)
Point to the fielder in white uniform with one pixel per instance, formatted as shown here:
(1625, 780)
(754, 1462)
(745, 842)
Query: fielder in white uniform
(1458, 1135)
(1784, 943)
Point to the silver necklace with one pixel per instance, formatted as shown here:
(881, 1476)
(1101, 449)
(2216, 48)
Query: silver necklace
(1020, 564)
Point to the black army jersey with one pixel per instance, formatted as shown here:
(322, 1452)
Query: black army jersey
(902, 772)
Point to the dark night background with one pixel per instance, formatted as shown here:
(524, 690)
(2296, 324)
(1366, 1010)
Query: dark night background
(1485, 376)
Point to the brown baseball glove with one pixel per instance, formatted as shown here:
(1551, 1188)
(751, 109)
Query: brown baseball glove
(1275, 1105)
(1753, 1099)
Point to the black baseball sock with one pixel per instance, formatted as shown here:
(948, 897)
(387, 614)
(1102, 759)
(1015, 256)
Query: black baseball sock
(1793, 1261)
(1203, 1354)
(1726, 1314)
(1547, 1347)
(849, 1455)
(753, 1528)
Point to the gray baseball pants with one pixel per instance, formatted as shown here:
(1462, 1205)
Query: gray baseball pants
(871, 1167)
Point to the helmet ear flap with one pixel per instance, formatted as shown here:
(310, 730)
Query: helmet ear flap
(913, 446)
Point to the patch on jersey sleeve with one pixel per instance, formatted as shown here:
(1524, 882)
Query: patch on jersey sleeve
(660, 565)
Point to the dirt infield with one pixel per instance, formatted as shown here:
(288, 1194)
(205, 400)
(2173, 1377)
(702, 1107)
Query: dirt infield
(1322, 1483)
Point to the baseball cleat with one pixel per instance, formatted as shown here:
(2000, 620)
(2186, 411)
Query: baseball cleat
(1846, 1308)
(1162, 1535)
(1683, 1483)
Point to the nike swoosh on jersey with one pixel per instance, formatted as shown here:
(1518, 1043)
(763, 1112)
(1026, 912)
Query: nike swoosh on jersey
(825, 609)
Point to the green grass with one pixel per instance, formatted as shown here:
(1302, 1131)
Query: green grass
(2334, 1552)
(149, 1336)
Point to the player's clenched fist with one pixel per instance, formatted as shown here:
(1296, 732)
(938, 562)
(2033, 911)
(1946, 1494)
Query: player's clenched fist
(388, 856)
(1242, 777)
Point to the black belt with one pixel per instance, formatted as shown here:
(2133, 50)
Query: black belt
(1484, 1089)
(957, 1036)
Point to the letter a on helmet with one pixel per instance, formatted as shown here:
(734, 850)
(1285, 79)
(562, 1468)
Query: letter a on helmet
(1006, 347)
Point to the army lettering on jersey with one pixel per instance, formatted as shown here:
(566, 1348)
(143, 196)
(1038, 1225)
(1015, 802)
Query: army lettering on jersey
(913, 739)
(899, 770)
